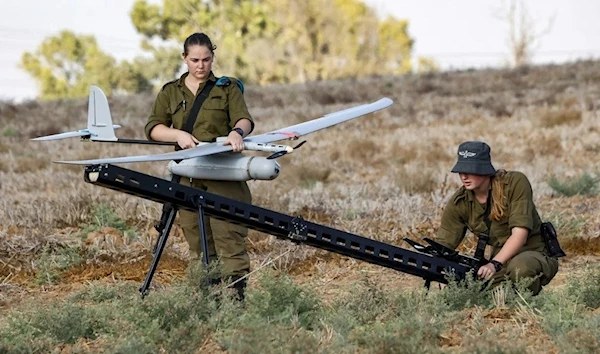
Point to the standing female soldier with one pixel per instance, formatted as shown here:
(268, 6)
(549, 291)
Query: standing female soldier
(500, 205)
(223, 113)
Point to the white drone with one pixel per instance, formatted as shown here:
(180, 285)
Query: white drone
(210, 160)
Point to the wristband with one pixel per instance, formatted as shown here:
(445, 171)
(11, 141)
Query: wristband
(496, 264)
(240, 131)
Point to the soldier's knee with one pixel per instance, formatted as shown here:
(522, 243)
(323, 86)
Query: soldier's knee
(522, 267)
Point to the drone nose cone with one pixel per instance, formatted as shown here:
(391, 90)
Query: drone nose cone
(264, 169)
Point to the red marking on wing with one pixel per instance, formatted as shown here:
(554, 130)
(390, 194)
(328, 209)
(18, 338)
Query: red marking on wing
(292, 136)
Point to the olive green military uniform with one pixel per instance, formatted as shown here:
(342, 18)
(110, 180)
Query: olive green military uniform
(221, 110)
(463, 212)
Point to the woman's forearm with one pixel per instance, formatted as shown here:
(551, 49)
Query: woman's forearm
(512, 246)
(163, 133)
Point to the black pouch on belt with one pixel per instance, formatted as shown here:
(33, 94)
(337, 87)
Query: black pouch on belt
(551, 240)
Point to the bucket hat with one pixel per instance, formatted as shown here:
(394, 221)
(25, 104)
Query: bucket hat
(474, 158)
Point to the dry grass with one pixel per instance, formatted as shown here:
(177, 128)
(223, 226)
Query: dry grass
(389, 168)
(384, 176)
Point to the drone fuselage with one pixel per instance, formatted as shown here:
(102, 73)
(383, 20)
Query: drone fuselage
(226, 167)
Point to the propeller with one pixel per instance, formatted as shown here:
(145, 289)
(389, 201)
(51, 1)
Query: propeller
(278, 154)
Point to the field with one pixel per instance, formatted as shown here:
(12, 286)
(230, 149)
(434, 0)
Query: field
(72, 254)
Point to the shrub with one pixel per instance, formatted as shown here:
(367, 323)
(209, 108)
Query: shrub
(586, 288)
(583, 185)
(367, 303)
(41, 329)
(584, 338)
(466, 293)
(9, 132)
(559, 313)
(104, 216)
(53, 260)
(278, 298)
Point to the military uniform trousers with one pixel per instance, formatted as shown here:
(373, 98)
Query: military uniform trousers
(226, 241)
(529, 264)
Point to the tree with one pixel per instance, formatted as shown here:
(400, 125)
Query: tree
(524, 37)
(265, 41)
(66, 65)
(235, 24)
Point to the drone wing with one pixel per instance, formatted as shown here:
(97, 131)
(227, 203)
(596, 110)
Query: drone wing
(328, 120)
(73, 134)
(200, 150)
(291, 132)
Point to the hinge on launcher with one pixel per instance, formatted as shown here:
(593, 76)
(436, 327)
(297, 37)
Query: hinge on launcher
(298, 229)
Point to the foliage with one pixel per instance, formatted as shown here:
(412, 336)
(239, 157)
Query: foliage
(104, 216)
(427, 64)
(265, 41)
(280, 316)
(65, 65)
(279, 298)
(586, 288)
(53, 260)
(583, 338)
(41, 329)
(466, 293)
(582, 185)
(9, 131)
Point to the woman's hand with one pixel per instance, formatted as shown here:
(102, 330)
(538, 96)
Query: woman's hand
(235, 140)
(486, 272)
(186, 140)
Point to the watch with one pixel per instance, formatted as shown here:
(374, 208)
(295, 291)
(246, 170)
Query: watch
(496, 264)
(240, 131)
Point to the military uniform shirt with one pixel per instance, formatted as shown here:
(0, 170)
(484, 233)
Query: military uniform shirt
(463, 212)
(221, 110)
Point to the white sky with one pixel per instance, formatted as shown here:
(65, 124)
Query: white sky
(456, 33)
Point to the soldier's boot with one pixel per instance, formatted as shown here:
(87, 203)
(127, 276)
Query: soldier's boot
(214, 281)
(239, 286)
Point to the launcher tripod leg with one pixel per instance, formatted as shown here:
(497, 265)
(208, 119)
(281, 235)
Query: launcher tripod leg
(203, 239)
(158, 250)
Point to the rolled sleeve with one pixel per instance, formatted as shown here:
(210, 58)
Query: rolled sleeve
(237, 107)
(452, 228)
(521, 203)
(159, 113)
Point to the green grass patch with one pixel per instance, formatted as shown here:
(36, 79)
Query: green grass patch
(104, 216)
(54, 259)
(9, 132)
(585, 184)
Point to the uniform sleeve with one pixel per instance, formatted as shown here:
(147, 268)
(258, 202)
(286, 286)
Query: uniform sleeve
(159, 113)
(237, 107)
(520, 199)
(452, 228)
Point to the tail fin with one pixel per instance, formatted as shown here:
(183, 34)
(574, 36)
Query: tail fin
(99, 127)
(99, 120)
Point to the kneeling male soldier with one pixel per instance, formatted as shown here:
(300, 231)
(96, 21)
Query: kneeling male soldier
(498, 207)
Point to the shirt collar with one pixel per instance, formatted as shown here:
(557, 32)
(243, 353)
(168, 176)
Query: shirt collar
(181, 81)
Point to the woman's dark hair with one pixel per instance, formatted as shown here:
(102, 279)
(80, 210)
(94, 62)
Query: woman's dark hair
(198, 39)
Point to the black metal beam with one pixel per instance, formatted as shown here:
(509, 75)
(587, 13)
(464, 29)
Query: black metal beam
(277, 224)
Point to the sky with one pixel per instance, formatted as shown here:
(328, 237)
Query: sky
(458, 34)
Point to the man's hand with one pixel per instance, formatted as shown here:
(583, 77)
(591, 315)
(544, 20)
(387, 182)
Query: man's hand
(486, 272)
(186, 140)
(235, 140)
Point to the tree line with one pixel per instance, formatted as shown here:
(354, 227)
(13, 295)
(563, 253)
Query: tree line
(259, 41)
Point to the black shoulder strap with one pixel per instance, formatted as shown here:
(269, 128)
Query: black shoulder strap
(191, 119)
(483, 238)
